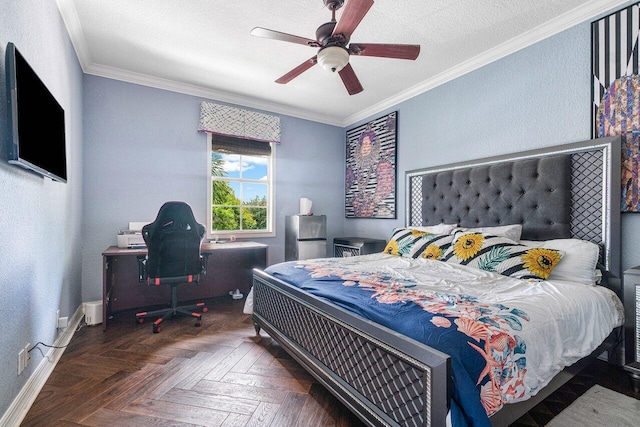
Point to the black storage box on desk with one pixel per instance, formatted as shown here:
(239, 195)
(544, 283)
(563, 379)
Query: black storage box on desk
(352, 246)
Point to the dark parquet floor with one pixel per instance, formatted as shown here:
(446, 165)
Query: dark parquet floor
(219, 374)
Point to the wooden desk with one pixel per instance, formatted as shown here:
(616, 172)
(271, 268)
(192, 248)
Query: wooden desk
(229, 267)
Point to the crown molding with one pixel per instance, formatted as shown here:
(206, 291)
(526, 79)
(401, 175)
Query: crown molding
(552, 27)
(207, 93)
(556, 25)
(76, 34)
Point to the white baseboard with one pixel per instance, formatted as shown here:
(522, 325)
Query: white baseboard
(23, 401)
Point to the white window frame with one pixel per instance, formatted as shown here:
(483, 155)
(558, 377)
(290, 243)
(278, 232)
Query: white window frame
(241, 234)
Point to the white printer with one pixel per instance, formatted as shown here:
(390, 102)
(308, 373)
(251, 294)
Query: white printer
(132, 238)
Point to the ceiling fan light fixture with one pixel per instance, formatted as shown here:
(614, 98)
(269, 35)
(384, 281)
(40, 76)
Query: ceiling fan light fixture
(333, 58)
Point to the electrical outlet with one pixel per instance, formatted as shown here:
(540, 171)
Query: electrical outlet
(27, 355)
(62, 322)
(20, 361)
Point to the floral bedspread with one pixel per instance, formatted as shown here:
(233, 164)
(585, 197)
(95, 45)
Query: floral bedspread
(506, 337)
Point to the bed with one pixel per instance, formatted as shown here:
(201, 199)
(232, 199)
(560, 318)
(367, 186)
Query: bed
(430, 332)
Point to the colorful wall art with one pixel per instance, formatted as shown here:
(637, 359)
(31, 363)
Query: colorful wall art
(616, 92)
(370, 187)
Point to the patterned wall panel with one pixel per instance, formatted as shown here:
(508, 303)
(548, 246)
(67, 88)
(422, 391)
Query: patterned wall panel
(586, 196)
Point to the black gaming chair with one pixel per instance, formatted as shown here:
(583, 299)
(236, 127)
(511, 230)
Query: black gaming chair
(173, 242)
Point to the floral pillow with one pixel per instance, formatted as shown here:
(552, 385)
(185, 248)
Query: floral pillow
(502, 255)
(403, 240)
(431, 246)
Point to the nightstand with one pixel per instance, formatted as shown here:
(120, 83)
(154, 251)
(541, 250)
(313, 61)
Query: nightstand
(631, 299)
(352, 246)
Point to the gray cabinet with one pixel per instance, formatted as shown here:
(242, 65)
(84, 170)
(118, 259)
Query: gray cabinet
(352, 246)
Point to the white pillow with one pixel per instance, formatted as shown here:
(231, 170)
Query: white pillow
(436, 229)
(578, 263)
(512, 232)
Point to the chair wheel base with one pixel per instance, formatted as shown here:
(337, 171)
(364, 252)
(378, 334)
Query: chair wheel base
(168, 313)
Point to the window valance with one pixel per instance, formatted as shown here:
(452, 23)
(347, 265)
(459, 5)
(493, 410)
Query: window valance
(239, 123)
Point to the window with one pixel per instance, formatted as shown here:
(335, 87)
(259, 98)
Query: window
(241, 188)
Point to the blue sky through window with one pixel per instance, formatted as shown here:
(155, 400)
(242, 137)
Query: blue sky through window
(250, 168)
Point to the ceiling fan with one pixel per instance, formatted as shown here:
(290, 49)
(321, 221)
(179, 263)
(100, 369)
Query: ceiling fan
(332, 38)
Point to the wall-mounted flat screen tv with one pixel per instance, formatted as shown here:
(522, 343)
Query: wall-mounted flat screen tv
(38, 138)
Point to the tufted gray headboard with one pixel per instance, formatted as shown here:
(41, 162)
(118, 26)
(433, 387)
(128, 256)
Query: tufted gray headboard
(564, 191)
(533, 192)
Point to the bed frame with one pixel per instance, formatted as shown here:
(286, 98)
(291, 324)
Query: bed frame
(388, 379)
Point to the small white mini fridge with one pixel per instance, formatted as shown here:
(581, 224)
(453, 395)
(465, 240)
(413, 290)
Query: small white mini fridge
(305, 237)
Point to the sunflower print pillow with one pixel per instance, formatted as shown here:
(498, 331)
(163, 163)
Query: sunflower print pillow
(502, 255)
(403, 240)
(431, 246)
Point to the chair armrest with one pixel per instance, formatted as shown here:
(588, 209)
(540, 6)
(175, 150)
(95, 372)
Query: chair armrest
(142, 268)
(204, 258)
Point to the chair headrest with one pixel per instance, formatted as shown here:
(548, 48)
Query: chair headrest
(174, 215)
(176, 211)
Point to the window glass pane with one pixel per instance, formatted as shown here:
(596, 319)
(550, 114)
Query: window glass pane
(217, 164)
(225, 193)
(258, 217)
(225, 218)
(235, 186)
(254, 167)
(254, 194)
(231, 165)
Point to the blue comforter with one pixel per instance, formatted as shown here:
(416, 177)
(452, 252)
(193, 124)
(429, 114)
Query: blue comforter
(437, 319)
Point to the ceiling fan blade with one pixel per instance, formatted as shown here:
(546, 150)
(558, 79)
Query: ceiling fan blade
(350, 80)
(277, 35)
(353, 13)
(398, 51)
(298, 70)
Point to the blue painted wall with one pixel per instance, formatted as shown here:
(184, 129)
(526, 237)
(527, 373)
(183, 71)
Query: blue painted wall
(534, 98)
(40, 220)
(142, 148)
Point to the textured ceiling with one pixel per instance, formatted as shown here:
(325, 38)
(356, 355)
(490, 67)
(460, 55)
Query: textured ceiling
(203, 47)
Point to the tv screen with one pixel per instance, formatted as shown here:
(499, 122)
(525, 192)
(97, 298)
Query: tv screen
(37, 121)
